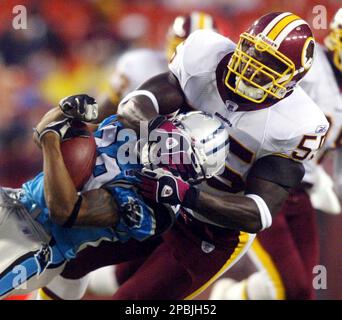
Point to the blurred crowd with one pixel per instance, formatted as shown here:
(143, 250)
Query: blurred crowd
(69, 46)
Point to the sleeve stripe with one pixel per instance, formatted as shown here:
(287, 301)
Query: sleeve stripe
(146, 93)
(265, 214)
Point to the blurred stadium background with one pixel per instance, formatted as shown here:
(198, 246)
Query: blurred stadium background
(70, 47)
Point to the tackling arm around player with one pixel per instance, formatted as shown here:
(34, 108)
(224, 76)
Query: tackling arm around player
(273, 127)
(233, 211)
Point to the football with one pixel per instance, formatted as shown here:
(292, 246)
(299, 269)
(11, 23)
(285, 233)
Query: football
(79, 155)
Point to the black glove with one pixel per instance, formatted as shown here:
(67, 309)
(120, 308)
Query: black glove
(65, 129)
(81, 107)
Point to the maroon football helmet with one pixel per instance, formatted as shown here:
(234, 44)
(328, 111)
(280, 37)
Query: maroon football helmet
(182, 26)
(271, 57)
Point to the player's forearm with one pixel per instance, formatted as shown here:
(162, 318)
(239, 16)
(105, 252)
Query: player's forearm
(136, 111)
(99, 209)
(159, 95)
(232, 211)
(54, 114)
(60, 192)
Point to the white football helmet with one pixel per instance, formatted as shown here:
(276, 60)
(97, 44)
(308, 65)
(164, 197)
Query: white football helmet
(209, 141)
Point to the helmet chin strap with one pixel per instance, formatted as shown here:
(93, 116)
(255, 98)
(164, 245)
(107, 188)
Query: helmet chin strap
(252, 92)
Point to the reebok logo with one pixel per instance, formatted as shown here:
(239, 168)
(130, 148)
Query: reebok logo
(171, 143)
(167, 191)
(207, 247)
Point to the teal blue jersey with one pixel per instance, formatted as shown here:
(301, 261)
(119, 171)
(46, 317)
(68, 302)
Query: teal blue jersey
(113, 171)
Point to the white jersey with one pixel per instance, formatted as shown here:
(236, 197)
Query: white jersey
(136, 66)
(293, 127)
(321, 85)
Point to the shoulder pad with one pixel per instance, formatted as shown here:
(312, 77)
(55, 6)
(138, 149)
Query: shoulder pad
(200, 53)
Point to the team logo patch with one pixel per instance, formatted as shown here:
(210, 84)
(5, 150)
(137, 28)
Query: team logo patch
(43, 257)
(207, 247)
(231, 106)
(308, 53)
(132, 213)
(167, 191)
(171, 143)
(321, 129)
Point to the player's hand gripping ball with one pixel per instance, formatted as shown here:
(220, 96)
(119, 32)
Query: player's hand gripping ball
(78, 148)
(79, 154)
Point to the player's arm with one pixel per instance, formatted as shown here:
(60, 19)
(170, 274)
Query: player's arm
(67, 208)
(268, 185)
(161, 94)
(270, 179)
(53, 115)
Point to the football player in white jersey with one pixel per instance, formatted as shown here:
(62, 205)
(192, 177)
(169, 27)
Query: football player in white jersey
(322, 84)
(274, 127)
(329, 86)
(132, 69)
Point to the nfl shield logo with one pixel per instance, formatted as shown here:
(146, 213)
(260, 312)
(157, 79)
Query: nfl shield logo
(231, 106)
(207, 247)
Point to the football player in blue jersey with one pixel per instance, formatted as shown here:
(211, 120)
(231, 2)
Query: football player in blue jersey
(47, 222)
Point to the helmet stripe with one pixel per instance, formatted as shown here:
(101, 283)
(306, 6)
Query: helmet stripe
(202, 20)
(281, 25)
(213, 134)
(270, 26)
(217, 148)
(283, 34)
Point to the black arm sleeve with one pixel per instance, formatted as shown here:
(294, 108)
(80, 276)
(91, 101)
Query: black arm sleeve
(282, 171)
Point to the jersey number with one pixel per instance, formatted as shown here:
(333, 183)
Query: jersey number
(231, 180)
(303, 149)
